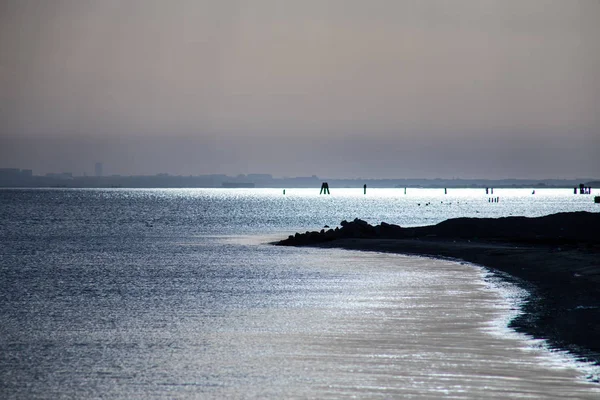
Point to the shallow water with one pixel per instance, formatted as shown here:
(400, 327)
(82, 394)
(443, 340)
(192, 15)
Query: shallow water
(174, 294)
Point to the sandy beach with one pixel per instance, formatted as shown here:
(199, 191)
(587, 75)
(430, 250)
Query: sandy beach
(556, 258)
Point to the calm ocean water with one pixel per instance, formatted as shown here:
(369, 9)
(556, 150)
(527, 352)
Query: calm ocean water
(118, 293)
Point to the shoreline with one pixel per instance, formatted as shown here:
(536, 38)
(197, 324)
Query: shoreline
(555, 258)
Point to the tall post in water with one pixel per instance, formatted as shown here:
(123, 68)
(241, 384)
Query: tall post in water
(404, 190)
(365, 188)
(445, 190)
(324, 188)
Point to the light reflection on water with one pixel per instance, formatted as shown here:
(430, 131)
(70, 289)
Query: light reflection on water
(153, 212)
(172, 294)
(395, 326)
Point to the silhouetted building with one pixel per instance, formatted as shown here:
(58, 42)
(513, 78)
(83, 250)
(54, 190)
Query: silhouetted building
(98, 169)
(237, 185)
(15, 177)
(259, 177)
(10, 173)
(60, 175)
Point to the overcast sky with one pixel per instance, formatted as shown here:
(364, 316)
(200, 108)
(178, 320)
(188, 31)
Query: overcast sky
(336, 88)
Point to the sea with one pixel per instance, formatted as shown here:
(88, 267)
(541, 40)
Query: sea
(179, 294)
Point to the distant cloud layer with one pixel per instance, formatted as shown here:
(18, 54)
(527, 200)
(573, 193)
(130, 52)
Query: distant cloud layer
(341, 88)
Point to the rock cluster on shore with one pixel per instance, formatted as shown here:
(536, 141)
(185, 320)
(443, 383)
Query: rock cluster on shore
(562, 228)
(355, 229)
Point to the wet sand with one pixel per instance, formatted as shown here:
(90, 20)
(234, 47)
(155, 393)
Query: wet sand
(556, 258)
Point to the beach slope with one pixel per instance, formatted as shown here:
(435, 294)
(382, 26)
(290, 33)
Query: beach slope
(555, 257)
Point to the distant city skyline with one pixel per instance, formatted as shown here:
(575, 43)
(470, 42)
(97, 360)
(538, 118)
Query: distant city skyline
(25, 178)
(339, 88)
(265, 178)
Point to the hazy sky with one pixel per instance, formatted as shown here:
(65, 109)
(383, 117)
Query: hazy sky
(336, 88)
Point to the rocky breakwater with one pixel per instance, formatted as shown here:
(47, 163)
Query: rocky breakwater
(576, 228)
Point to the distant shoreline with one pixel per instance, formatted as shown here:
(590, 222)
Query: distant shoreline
(24, 178)
(556, 258)
(46, 184)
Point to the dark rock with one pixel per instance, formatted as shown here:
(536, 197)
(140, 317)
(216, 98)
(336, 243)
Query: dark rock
(578, 228)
